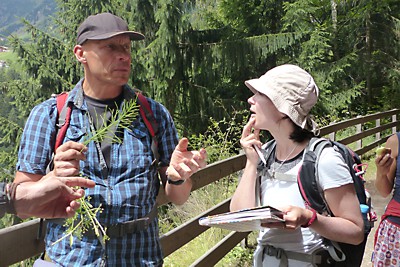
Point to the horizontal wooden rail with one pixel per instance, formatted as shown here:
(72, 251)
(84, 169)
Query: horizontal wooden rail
(210, 174)
(334, 127)
(183, 234)
(20, 242)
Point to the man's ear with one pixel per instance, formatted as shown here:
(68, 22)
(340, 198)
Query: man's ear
(79, 54)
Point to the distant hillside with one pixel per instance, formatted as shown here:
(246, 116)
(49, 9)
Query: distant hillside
(35, 11)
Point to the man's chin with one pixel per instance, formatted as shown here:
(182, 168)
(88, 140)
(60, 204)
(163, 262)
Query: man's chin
(121, 80)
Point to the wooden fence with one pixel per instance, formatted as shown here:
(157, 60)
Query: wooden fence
(365, 133)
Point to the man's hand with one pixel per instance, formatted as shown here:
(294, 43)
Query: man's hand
(50, 197)
(185, 163)
(67, 157)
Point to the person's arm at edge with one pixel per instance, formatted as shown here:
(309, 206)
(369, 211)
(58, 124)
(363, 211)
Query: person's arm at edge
(21, 177)
(385, 175)
(50, 199)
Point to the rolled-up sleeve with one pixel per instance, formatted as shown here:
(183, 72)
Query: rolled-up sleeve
(37, 141)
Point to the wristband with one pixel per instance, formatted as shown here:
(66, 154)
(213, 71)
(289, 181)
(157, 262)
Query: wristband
(312, 219)
(174, 182)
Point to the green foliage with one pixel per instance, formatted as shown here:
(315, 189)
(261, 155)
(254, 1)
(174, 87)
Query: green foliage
(197, 54)
(222, 137)
(85, 219)
(8, 57)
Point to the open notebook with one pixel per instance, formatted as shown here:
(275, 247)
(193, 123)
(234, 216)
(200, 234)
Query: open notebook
(243, 220)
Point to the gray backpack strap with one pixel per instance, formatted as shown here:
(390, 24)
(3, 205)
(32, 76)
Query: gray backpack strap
(317, 144)
(266, 150)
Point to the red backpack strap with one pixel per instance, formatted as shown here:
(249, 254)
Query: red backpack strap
(148, 117)
(64, 116)
(147, 114)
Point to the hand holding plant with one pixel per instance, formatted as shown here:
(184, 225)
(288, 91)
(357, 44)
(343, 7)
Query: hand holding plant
(67, 160)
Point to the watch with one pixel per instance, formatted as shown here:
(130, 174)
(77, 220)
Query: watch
(175, 182)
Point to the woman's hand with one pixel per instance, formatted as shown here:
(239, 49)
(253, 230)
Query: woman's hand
(250, 138)
(294, 217)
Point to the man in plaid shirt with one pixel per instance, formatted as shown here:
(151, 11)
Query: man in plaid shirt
(125, 173)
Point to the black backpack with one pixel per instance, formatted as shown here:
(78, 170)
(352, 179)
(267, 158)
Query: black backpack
(307, 180)
(308, 184)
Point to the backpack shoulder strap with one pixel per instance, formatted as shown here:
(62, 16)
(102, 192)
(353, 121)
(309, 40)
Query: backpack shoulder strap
(63, 118)
(307, 178)
(147, 114)
(148, 117)
(354, 164)
(267, 149)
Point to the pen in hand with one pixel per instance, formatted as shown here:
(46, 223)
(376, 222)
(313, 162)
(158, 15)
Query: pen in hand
(260, 154)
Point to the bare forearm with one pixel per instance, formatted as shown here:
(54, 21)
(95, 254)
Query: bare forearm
(338, 229)
(383, 184)
(178, 194)
(21, 177)
(244, 196)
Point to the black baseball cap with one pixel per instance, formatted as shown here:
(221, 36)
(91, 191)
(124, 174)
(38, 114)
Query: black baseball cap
(103, 26)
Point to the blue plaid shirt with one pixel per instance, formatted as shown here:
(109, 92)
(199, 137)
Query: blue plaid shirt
(128, 192)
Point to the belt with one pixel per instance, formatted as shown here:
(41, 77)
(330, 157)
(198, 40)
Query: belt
(320, 257)
(121, 229)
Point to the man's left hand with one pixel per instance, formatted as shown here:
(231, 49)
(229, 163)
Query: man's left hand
(185, 163)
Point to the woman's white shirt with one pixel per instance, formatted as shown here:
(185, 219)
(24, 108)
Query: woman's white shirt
(333, 172)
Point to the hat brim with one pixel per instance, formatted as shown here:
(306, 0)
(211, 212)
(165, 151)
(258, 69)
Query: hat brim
(255, 85)
(134, 36)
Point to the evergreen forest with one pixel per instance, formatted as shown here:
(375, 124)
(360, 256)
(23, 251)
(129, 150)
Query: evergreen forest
(198, 53)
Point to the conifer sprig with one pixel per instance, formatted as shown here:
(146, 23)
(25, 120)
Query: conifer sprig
(85, 217)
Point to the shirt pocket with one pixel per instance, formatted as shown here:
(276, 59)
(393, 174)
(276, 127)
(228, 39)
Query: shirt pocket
(140, 140)
(137, 145)
(75, 134)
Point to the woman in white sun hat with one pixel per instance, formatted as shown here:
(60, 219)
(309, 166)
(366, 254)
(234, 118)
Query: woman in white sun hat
(281, 104)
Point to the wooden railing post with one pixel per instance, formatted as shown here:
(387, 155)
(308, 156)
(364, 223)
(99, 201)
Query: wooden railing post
(359, 130)
(394, 119)
(378, 134)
